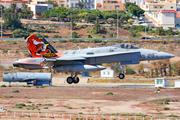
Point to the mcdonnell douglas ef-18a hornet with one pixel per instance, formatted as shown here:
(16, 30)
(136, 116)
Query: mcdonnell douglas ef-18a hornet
(43, 55)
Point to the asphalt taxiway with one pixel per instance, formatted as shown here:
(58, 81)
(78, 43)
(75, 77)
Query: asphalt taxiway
(107, 85)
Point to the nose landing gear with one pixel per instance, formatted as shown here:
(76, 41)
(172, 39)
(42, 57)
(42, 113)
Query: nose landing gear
(121, 68)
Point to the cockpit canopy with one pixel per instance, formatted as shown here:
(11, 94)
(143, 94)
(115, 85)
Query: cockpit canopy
(126, 46)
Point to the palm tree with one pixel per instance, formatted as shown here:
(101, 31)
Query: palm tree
(81, 5)
(154, 64)
(165, 65)
(139, 68)
(160, 66)
(151, 70)
(13, 6)
(169, 68)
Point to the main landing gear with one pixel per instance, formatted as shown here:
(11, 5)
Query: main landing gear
(73, 79)
(121, 68)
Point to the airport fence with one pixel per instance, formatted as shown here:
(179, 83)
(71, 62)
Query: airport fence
(79, 116)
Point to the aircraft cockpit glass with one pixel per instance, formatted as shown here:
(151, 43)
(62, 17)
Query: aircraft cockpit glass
(121, 45)
(126, 46)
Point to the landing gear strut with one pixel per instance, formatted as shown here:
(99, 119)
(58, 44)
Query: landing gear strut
(73, 79)
(121, 68)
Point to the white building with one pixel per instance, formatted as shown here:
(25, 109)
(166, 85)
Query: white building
(37, 9)
(108, 72)
(161, 82)
(88, 4)
(177, 84)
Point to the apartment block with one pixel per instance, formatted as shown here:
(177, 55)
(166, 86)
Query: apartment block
(165, 13)
(111, 5)
(34, 2)
(88, 4)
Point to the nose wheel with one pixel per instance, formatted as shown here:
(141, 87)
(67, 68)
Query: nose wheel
(121, 76)
(72, 79)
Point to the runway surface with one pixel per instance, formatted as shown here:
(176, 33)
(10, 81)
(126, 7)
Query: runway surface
(89, 85)
(108, 85)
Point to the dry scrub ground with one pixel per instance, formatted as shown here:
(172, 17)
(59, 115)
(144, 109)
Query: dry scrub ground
(92, 100)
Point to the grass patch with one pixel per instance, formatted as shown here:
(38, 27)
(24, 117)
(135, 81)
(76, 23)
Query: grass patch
(69, 107)
(42, 86)
(26, 86)
(21, 105)
(166, 108)
(3, 86)
(172, 115)
(82, 107)
(49, 104)
(15, 91)
(109, 93)
(163, 101)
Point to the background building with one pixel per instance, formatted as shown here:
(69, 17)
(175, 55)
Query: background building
(88, 4)
(37, 9)
(165, 13)
(18, 3)
(111, 5)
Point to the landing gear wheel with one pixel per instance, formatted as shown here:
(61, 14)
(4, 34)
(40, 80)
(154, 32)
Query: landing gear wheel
(75, 80)
(69, 80)
(121, 76)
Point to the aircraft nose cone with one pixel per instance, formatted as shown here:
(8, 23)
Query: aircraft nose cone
(164, 55)
(15, 64)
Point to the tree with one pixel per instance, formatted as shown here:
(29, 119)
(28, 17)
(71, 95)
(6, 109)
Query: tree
(134, 9)
(89, 36)
(176, 67)
(160, 31)
(50, 2)
(45, 14)
(13, 7)
(80, 5)
(11, 19)
(151, 72)
(96, 27)
(2, 9)
(169, 67)
(25, 13)
(160, 66)
(74, 35)
(140, 67)
(90, 18)
(155, 67)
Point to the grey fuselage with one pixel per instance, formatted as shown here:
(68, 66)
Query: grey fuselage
(88, 59)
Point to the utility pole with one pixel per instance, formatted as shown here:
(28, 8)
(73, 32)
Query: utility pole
(117, 25)
(145, 24)
(1, 21)
(71, 25)
(5, 4)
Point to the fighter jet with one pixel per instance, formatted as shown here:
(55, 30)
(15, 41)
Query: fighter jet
(43, 55)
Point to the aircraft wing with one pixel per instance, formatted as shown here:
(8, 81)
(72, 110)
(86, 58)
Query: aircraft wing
(65, 58)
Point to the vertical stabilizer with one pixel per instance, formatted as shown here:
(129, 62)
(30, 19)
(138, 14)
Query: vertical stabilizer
(39, 47)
